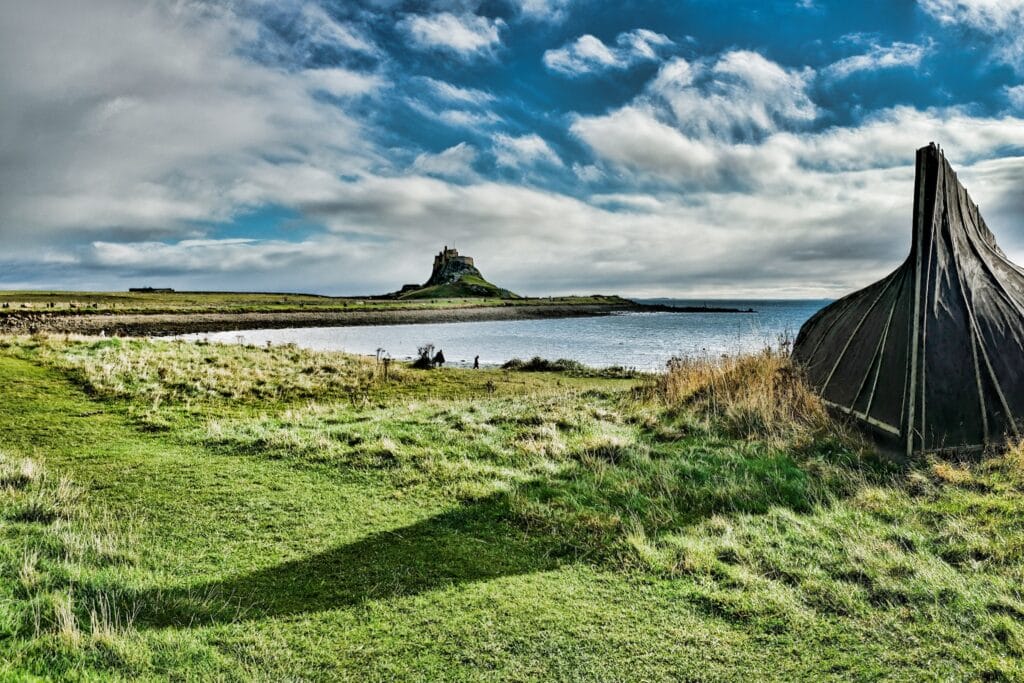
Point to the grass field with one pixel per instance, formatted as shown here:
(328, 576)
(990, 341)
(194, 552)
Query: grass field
(64, 303)
(189, 511)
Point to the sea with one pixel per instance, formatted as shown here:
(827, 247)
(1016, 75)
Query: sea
(644, 341)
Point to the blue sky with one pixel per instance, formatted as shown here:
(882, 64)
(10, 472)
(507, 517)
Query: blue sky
(647, 148)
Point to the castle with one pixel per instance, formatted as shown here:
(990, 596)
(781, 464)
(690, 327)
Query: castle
(447, 256)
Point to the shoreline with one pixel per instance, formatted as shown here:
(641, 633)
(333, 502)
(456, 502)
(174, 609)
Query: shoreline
(168, 324)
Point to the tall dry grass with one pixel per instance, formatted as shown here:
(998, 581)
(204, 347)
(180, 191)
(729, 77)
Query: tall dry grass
(62, 539)
(760, 396)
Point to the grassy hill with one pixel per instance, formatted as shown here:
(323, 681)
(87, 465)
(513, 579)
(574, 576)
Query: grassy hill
(190, 511)
(467, 286)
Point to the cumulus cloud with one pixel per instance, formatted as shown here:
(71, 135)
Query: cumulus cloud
(740, 123)
(1000, 20)
(128, 117)
(523, 151)
(739, 97)
(634, 139)
(466, 35)
(879, 57)
(588, 54)
(832, 204)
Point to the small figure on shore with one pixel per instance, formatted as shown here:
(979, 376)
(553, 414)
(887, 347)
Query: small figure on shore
(439, 358)
(476, 362)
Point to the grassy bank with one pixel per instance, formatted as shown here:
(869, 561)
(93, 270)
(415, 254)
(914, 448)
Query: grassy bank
(210, 511)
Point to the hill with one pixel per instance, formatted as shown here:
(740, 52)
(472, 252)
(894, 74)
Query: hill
(455, 276)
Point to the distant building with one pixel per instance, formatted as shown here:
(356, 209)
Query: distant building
(447, 256)
(151, 290)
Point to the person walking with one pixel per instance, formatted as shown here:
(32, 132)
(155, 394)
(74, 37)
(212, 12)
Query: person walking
(476, 363)
(439, 358)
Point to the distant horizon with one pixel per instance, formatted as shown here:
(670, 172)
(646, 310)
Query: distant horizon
(637, 297)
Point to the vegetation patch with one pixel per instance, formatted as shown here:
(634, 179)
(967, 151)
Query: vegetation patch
(570, 367)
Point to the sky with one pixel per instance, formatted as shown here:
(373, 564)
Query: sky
(684, 148)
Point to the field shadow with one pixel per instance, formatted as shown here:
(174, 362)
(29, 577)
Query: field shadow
(472, 543)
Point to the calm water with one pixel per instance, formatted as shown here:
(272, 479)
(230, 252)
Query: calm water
(641, 340)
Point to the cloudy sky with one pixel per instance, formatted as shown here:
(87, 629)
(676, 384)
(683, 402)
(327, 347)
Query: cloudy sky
(681, 147)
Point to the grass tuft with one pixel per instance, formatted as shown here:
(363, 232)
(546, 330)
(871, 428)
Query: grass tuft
(17, 474)
(761, 396)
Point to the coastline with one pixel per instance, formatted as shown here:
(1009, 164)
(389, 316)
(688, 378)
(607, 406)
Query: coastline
(165, 324)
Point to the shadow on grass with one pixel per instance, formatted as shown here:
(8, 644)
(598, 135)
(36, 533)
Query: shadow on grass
(486, 539)
(472, 543)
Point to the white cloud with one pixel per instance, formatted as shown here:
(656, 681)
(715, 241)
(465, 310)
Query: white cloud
(341, 82)
(454, 162)
(990, 16)
(152, 120)
(473, 119)
(634, 138)
(544, 10)
(879, 57)
(453, 93)
(319, 28)
(523, 151)
(588, 54)
(465, 34)
(339, 261)
(588, 173)
(740, 97)
(460, 118)
(1016, 96)
(206, 255)
(832, 205)
(1000, 19)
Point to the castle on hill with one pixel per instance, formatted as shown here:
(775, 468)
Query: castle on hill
(449, 267)
(446, 256)
(453, 275)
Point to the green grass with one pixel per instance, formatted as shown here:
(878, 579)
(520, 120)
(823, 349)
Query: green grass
(205, 511)
(74, 303)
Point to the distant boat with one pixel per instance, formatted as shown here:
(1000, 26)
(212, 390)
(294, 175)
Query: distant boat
(931, 357)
